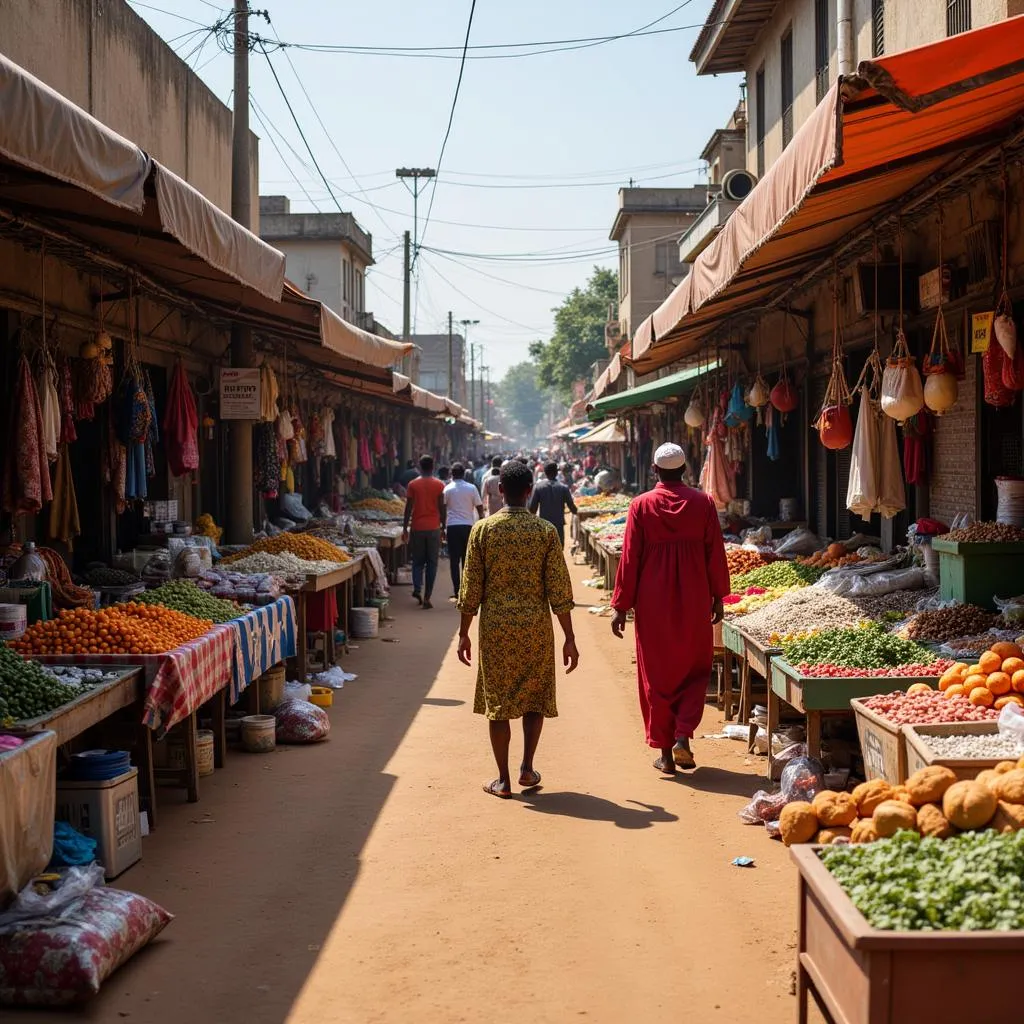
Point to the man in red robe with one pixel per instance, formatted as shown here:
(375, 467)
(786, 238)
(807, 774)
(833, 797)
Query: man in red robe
(673, 574)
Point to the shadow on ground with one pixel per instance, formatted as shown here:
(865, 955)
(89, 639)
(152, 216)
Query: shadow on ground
(721, 780)
(595, 808)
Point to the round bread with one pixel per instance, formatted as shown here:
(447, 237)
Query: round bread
(1010, 786)
(932, 822)
(870, 794)
(969, 805)
(829, 835)
(892, 816)
(798, 823)
(834, 808)
(927, 785)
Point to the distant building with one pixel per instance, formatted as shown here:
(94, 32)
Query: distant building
(327, 255)
(433, 365)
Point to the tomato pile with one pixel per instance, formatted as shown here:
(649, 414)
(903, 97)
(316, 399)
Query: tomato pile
(921, 708)
(828, 671)
(120, 629)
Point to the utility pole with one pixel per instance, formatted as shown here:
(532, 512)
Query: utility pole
(466, 324)
(406, 303)
(240, 504)
(472, 384)
(483, 396)
(451, 359)
(415, 175)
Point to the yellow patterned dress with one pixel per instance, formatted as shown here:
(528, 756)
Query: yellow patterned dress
(515, 576)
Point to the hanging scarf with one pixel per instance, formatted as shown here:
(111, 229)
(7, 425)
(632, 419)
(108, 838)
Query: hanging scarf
(64, 522)
(66, 391)
(26, 473)
(153, 431)
(181, 421)
(49, 405)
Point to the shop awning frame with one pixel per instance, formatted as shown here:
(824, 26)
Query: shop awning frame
(608, 432)
(653, 391)
(901, 124)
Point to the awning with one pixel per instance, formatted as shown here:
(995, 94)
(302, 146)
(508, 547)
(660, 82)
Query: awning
(608, 432)
(421, 398)
(652, 391)
(612, 371)
(874, 137)
(348, 340)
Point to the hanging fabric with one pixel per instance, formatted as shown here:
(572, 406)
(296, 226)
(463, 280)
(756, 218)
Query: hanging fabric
(771, 423)
(64, 522)
(181, 423)
(267, 475)
(863, 485)
(66, 391)
(49, 402)
(269, 393)
(916, 451)
(26, 473)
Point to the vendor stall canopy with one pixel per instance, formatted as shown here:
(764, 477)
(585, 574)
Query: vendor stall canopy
(608, 432)
(653, 391)
(65, 172)
(876, 136)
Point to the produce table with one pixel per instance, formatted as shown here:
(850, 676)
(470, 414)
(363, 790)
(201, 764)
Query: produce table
(316, 584)
(751, 656)
(813, 697)
(858, 974)
(733, 647)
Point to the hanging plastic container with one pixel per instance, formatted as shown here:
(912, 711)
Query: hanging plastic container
(29, 565)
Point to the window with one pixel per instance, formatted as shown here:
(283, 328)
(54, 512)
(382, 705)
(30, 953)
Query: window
(344, 280)
(877, 28)
(821, 48)
(760, 119)
(666, 259)
(623, 271)
(958, 16)
(787, 88)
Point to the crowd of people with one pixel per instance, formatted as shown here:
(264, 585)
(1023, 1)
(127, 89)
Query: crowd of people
(504, 527)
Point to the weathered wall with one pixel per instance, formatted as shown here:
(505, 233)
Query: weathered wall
(954, 453)
(105, 58)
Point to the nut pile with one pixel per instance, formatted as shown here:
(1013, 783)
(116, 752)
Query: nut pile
(284, 564)
(101, 576)
(965, 747)
(922, 708)
(948, 623)
(986, 533)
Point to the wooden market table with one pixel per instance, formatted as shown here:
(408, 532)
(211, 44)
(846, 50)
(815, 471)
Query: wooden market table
(344, 576)
(733, 648)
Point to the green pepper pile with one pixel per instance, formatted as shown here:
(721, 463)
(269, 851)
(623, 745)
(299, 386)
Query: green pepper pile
(777, 574)
(867, 646)
(185, 596)
(27, 691)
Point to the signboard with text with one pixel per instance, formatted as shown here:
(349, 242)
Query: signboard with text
(981, 331)
(239, 393)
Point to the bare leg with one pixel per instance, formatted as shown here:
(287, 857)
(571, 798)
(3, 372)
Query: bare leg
(501, 736)
(533, 723)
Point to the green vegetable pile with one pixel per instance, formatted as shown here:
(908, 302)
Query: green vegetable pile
(185, 596)
(970, 882)
(27, 691)
(867, 646)
(777, 574)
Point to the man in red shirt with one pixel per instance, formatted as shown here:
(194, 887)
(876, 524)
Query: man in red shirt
(424, 506)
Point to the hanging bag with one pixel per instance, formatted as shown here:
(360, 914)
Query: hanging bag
(902, 391)
(834, 425)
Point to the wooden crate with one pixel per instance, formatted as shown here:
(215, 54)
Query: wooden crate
(860, 975)
(920, 755)
(881, 745)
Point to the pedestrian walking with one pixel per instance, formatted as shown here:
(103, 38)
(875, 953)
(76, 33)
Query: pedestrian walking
(515, 576)
(424, 509)
(551, 498)
(492, 487)
(463, 506)
(674, 576)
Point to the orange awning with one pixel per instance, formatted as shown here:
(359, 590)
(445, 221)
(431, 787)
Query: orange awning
(875, 137)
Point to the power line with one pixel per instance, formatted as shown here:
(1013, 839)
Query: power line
(260, 117)
(173, 14)
(451, 119)
(500, 280)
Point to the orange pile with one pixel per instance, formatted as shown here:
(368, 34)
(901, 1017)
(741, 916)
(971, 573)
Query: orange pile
(997, 679)
(120, 629)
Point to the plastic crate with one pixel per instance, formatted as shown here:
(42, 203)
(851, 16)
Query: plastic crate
(976, 573)
(109, 813)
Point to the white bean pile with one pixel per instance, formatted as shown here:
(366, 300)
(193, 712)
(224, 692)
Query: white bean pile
(963, 747)
(283, 564)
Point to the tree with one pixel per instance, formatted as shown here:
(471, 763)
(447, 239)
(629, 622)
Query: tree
(578, 339)
(521, 397)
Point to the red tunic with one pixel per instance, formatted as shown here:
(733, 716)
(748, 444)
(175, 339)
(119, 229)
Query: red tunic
(672, 569)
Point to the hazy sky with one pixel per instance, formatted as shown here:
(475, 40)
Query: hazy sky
(539, 145)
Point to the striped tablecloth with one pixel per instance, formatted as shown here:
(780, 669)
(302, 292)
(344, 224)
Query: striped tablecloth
(263, 637)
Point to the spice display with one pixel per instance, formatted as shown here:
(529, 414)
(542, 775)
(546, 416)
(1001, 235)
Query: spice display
(27, 691)
(284, 564)
(865, 647)
(832, 557)
(944, 624)
(970, 882)
(926, 708)
(602, 502)
(778, 574)
(301, 545)
(986, 533)
(751, 599)
(130, 628)
(971, 746)
(741, 560)
(185, 596)
(101, 576)
(379, 501)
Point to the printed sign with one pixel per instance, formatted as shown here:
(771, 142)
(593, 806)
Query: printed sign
(239, 393)
(981, 331)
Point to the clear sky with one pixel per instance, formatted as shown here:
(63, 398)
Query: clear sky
(538, 147)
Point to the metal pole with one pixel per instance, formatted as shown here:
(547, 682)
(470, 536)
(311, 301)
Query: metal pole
(472, 383)
(241, 501)
(466, 324)
(406, 304)
(451, 359)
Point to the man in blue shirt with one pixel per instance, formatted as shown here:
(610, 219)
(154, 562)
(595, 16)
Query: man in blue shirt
(552, 498)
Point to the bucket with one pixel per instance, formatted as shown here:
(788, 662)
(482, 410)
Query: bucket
(271, 688)
(13, 621)
(365, 622)
(322, 696)
(403, 577)
(258, 733)
(204, 751)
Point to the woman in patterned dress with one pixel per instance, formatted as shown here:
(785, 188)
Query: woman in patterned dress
(515, 575)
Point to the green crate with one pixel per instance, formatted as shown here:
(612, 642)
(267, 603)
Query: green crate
(977, 573)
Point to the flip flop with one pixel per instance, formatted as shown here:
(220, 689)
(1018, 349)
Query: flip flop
(665, 770)
(495, 789)
(683, 758)
(530, 779)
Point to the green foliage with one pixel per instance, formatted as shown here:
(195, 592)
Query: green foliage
(520, 395)
(578, 339)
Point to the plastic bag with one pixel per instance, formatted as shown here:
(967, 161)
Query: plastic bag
(60, 960)
(802, 778)
(1011, 722)
(30, 905)
(880, 583)
(763, 806)
(301, 722)
(799, 542)
(297, 691)
(334, 677)
(1011, 608)
(757, 537)
(70, 847)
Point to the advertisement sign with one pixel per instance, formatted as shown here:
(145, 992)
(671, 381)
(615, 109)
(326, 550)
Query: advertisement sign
(239, 393)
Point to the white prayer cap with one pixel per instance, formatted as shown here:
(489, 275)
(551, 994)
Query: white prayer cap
(669, 456)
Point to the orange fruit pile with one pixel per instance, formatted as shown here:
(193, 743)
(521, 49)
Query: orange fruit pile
(997, 679)
(120, 629)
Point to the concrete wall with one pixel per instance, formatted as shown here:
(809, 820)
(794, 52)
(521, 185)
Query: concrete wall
(318, 266)
(105, 58)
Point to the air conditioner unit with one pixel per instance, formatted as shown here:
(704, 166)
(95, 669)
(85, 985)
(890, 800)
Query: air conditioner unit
(738, 184)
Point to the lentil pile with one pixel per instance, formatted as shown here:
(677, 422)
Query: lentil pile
(944, 624)
(185, 596)
(986, 533)
(965, 747)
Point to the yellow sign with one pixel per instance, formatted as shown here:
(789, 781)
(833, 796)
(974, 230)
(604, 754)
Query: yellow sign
(981, 331)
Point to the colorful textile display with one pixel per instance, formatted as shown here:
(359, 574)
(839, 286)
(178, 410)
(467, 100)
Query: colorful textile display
(26, 473)
(181, 421)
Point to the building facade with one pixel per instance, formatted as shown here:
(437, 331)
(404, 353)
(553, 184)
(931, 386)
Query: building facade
(433, 352)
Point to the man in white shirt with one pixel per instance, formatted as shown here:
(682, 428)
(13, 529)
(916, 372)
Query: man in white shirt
(463, 506)
(492, 487)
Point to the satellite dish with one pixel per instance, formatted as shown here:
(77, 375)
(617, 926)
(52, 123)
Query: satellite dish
(738, 184)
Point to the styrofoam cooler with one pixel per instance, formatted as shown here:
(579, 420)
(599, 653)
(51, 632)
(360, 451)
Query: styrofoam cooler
(107, 812)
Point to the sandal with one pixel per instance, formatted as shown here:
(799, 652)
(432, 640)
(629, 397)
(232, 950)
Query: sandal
(530, 779)
(684, 758)
(496, 788)
(665, 769)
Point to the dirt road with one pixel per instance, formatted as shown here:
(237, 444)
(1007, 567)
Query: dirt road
(370, 881)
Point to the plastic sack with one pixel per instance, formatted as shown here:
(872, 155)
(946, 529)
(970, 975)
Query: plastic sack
(1011, 722)
(64, 959)
(297, 691)
(292, 507)
(301, 722)
(1011, 608)
(802, 778)
(799, 542)
(880, 583)
(70, 847)
(763, 806)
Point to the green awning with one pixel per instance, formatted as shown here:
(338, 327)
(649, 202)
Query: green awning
(652, 391)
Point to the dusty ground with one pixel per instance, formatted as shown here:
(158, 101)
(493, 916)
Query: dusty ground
(369, 879)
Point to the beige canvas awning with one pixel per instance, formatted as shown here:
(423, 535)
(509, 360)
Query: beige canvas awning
(348, 340)
(874, 138)
(608, 432)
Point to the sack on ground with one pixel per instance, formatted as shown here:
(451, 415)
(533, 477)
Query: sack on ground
(301, 722)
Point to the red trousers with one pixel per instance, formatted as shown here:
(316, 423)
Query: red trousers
(671, 713)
